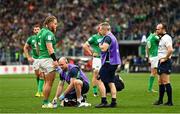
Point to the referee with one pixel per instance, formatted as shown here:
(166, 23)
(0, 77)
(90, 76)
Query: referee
(165, 51)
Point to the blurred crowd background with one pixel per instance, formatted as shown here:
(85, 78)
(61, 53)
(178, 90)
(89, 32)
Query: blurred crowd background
(131, 20)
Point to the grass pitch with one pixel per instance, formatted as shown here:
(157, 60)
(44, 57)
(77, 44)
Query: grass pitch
(17, 96)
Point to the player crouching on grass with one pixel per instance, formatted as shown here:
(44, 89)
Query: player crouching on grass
(78, 83)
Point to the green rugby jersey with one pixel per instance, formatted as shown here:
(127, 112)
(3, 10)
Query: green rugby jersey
(31, 41)
(94, 41)
(152, 44)
(43, 37)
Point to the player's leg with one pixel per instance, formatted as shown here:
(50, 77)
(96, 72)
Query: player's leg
(154, 65)
(38, 80)
(96, 65)
(151, 79)
(49, 79)
(36, 70)
(41, 82)
(94, 81)
(101, 80)
(49, 71)
(78, 88)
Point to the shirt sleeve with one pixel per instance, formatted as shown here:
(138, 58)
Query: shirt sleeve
(90, 40)
(28, 41)
(148, 44)
(49, 38)
(107, 40)
(168, 41)
(157, 38)
(73, 73)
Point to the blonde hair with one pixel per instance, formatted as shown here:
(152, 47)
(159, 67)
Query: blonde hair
(64, 59)
(48, 20)
(105, 25)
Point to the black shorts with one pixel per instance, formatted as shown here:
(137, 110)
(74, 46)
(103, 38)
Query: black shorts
(165, 67)
(72, 94)
(107, 73)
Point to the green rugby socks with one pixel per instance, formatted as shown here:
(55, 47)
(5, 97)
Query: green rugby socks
(151, 81)
(95, 89)
(37, 79)
(45, 101)
(40, 85)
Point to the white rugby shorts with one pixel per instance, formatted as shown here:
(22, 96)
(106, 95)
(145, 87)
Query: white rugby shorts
(96, 63)
(46, 65)
(154, 62)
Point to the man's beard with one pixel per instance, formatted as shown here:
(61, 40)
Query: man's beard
(52, 29)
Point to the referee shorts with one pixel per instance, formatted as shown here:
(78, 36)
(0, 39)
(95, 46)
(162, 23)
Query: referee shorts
(165, 67)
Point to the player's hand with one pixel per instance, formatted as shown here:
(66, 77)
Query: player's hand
(61, 97)
(162, 60)
(95, 54)
(30, 59)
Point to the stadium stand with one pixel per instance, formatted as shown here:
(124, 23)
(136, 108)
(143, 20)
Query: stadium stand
(130, 20)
